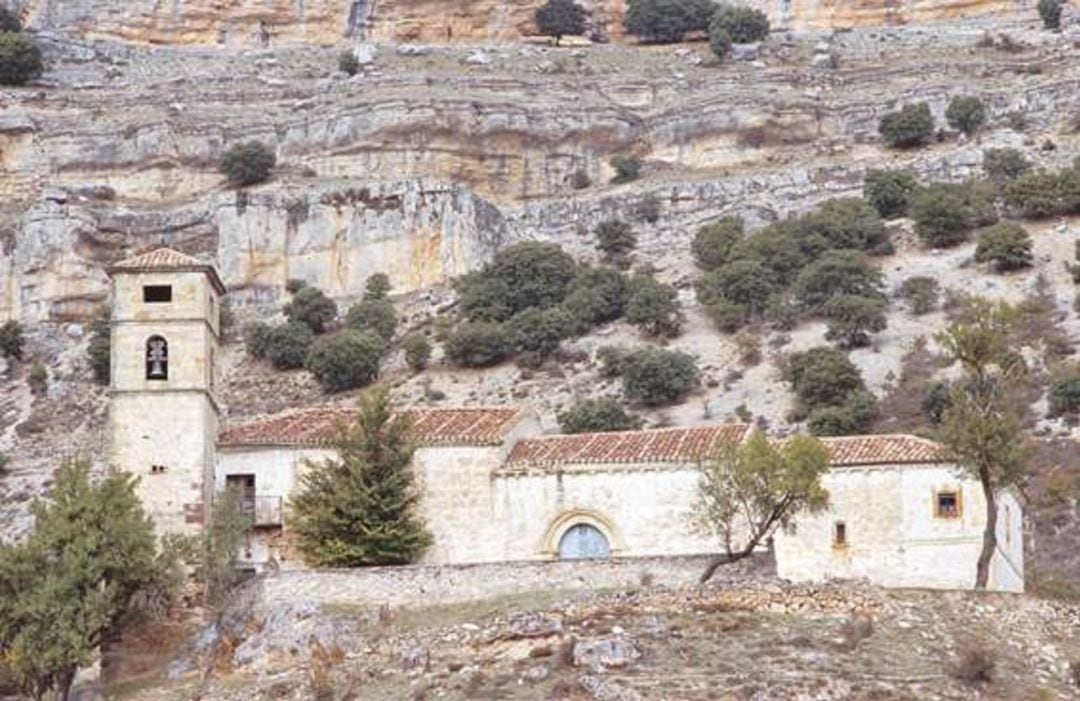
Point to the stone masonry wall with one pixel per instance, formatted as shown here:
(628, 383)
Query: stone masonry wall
(422, 584)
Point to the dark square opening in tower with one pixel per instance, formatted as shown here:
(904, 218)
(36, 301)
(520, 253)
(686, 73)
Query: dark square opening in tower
(157, 293)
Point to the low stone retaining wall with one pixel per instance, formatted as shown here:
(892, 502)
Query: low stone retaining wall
(419, 585)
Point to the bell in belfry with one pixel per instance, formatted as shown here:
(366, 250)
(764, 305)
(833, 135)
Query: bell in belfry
(157, 359)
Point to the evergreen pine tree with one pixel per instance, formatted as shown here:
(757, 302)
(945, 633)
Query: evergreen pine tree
(73, 581)
(359, 508)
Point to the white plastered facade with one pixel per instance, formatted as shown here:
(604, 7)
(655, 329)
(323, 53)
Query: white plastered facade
(894, 535)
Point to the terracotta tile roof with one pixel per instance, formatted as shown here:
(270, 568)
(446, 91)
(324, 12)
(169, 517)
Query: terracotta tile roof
(665, 445)
(315, 427)
(897, 449)
(167, 259)
(164, 258)
(683, 445)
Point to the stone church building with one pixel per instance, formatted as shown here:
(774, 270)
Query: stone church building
(494, 488)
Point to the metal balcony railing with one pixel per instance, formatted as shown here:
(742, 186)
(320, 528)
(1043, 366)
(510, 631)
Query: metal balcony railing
(263, 510)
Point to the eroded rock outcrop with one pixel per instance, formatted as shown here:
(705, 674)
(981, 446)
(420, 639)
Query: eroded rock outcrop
(238, 23)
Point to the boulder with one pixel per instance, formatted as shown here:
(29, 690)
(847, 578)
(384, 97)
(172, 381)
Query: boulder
(605, 652)
(746, 52)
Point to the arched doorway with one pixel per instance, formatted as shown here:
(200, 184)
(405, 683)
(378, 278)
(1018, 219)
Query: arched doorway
(583, 541)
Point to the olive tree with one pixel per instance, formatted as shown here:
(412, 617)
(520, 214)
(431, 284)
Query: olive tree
(751, 490)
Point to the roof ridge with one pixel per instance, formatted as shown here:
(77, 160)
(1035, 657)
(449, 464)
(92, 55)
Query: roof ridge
(641, 431)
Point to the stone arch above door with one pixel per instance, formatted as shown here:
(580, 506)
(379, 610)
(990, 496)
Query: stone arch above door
(580, 517)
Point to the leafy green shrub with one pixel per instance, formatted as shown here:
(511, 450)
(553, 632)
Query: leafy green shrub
(1065, 395)
(597, 415)
(836, 273)
(478, 344)
(1050, 13)
(248, 164)
(714, 243)
(611, 361)
(376, 315)
(945, 213)
(921, 293)
(855, 415)
(617, 240)
(536, 333)
(728, 316)
(889, 191)
(596, 296)
(657, 377)
(852, 318)
(1035, 194)
(99, 350)
(909, 127)
(294, 285)
(417, 351)
(743, 283)
(345, 360)
(719, 40)
(559, 18)
(11, 340)
(1003, 165)
(846, 222)
(9, 21)
(743, 24)
(822, 377)
(936, 402)
(781, 312)
(653, 306)
(781, 248)
(966, 114)
(666, 21)
(256, 335)
(38, 379)
(377, 286)
(20, 59)
(348, 63)
(287, 345)
(310, 306)
(1006, 245)
(627, 168)
(520, 276)
(580, 180)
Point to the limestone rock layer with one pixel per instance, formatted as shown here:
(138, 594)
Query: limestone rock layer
(241, 22)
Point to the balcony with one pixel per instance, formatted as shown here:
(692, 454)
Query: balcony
(264, 511)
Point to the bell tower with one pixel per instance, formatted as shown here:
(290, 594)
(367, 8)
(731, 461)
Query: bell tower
(163, 412)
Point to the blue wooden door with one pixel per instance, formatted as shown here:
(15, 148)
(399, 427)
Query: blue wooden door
(583, 542)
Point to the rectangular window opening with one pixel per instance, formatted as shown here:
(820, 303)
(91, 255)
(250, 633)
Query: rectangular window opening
(157, 294)
(840, 534)
(948, 505)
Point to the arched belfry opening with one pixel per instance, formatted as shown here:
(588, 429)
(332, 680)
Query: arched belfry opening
(157, 358)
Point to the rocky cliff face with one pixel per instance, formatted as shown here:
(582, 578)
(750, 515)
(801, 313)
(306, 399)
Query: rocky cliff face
(239, 23)
(423, 164)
